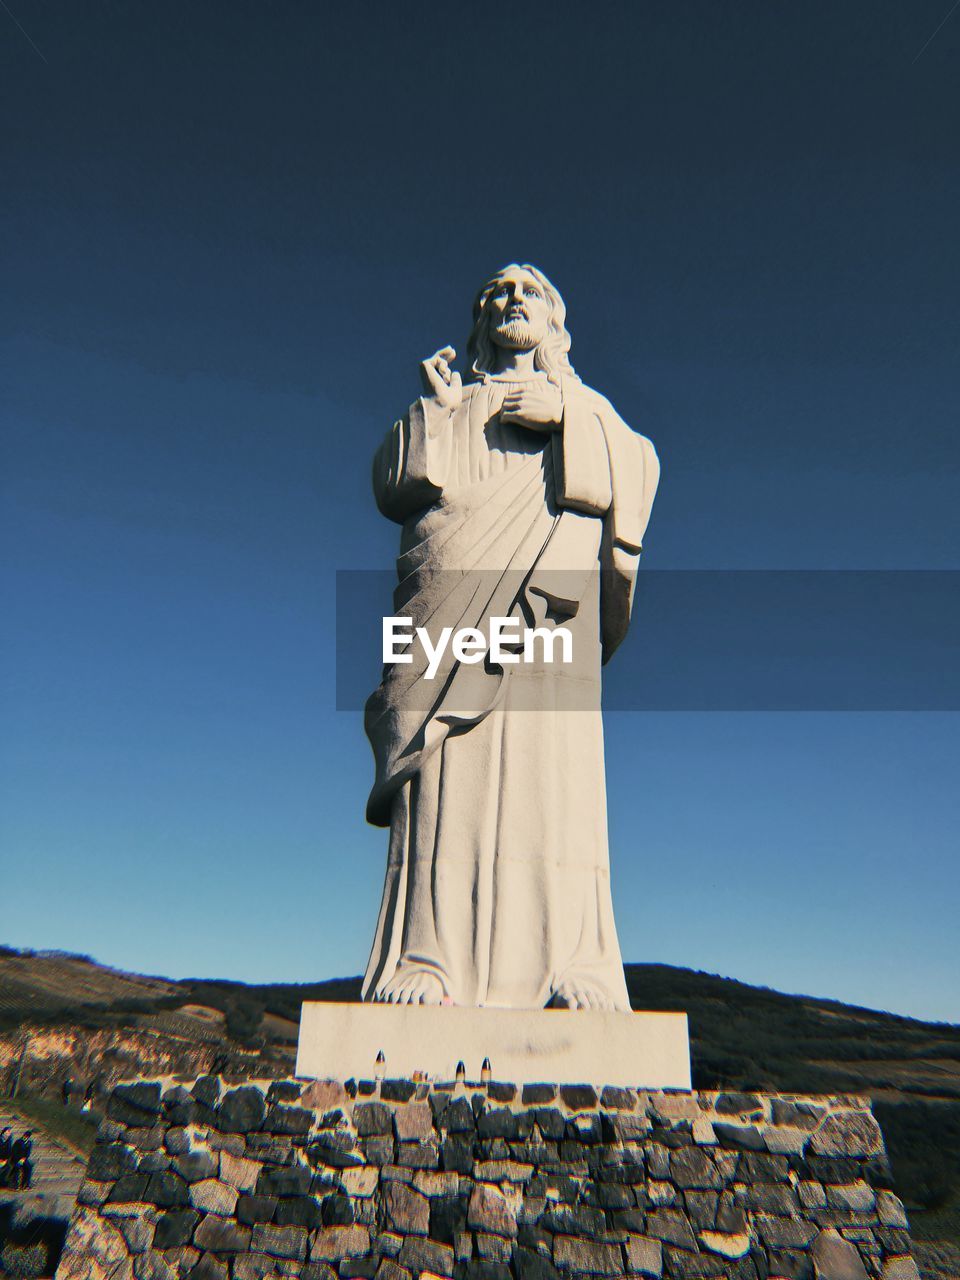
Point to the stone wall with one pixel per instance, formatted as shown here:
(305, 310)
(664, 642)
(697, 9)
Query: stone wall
(397, 1180)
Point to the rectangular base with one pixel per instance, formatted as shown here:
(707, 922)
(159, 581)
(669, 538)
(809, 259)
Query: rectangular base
(639, 1050)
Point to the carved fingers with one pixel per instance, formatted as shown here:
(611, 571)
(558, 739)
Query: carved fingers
(538, 405)
(440, 380)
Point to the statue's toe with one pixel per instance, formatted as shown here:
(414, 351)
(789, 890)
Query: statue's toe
(412, 988)
(573, 994)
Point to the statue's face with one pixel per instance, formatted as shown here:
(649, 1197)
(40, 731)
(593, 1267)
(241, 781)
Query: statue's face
(518, 310)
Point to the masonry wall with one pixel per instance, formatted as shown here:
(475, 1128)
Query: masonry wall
(398, 1180)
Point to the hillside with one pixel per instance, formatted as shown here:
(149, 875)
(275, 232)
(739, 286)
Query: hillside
(66, 1019)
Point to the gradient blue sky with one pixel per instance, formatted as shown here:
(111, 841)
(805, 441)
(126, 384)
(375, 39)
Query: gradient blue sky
(230, 231)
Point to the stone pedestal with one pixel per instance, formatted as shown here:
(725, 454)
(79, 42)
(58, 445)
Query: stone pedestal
(651, 1050)
(401, 1179)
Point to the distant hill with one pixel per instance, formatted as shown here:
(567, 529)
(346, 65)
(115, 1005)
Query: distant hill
(67, 1018)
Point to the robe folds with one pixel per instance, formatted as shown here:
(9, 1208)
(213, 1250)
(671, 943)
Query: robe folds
(490, 776)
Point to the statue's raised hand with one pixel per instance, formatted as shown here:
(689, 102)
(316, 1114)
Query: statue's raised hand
(538, 404)
(440, 380)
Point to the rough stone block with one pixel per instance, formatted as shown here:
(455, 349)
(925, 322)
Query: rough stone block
(501, 1091)
(418, 1155)
(478, 1269)
(902, 1268)
(493, 1248)
(238, 1171)
(501, 1122)
(372, 1119)
(253, 1266)
(570, 1253)
(360, 1181)
(293, 1181)
(427, 1255)
(731, 1217)
(292, 1121)
(531, 1265)
(214, 1196)
(177, 1141)
(322, 1095)
(812, 1195)
(502, 1171)
(152, 1266)
(672, 1227)
(836, 1259)
(890, 1210)
(692, 1167)
(790, 1113)
(209, 1267)
(703, 1132)
(137, 1232)
(377, 1150)
(397, 1090)
(432, 1183)
(755, 1166)
(771, 1197)
(575, 1220)
(135, 1105)
(489, 1210)
(744, 1137)
(195, 1166)
(847, 1133)
(414, 1122)
(786, 1140)
(175, 1228)
(221, 1235)
(618, 1099)
(701, 1207)
(644, 1256)
(538, 1093)
(584, 1127)
(336, 1243)
(784, 1233)
(131, 1187)
(728, 1104)
(148, 1138)
(167, 1190)
(407, 1210)
(254, 1209)
(300, 1211)
(458, 1117)
(390, 1270)
(578, 1097)
(280, 1242)
(448, 1218)
(696, 1266)
(111, 1161)
(242, 1110)
(852, 1195)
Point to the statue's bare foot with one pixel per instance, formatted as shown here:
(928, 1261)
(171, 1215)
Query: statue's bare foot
(573, 993)
(416, 986)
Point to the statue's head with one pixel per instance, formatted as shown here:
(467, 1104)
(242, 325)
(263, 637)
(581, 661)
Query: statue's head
(518, 308)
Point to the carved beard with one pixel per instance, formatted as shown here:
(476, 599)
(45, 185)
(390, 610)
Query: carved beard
(516, 334)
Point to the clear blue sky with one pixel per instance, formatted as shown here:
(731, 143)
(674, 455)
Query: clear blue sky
(229, 233)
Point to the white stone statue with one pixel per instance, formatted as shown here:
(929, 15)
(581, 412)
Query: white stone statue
(521, 494)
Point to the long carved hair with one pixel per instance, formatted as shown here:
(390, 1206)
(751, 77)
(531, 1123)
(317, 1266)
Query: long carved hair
(551, 355)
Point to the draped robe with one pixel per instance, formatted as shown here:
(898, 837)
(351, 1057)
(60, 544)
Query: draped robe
(491, 776)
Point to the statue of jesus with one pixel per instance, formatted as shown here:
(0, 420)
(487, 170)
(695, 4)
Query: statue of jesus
(521, 494)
